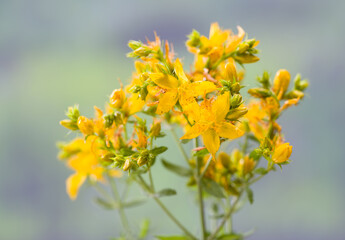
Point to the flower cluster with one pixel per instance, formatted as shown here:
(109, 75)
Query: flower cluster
(206, 102)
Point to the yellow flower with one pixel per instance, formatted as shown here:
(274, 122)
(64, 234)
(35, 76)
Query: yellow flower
(281, 82)
(211, 124)
(178, 88)
(85, 125)
(282, 153)
(85, 163)
(117, 98)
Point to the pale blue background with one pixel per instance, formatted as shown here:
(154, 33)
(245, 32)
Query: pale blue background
(57, 53)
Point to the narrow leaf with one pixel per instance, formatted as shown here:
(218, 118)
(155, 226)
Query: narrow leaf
(158, 150)
(144, 228)
(104, 203)
(166, 192)
(250, 195)
(133, 203)
(179, 170)
(212, 188)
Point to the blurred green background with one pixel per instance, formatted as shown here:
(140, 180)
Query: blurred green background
(54, 54)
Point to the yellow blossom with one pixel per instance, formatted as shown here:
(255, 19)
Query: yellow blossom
(211, 124)
(282, 153)
(178, 88)
(281, 82)
(117, 98)
(85, 125)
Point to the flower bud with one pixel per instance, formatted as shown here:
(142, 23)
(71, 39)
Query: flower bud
(235, 88)
(236, 100)
(282, 153)
(72, 125)
(117, 98)
(155, 129)
(295, 94)
(127, 165)
(134, 44)
(236, 113)
(260, 92)
(245, 166)
(281, 82)
(224, 159)
(73, 113)
(142, 51)
(246, 58)
(242, 47)
(143, 158)
(193, 39)
(85, 125)
(230, 70)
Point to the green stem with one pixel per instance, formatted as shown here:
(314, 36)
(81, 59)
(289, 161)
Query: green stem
(200, 195)
(121, 210)
(163, 207)
(206, 167)
(226, 217)
(178, 142)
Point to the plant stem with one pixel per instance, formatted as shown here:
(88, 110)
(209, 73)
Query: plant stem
(121, 210)
(178, 142)
(206, 167)
(226, 217)
(163, 207)
(200, 195)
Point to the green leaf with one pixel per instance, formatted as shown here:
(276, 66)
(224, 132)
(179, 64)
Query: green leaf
(261, 171)
(201, 153)
(166, 192)
(144, 228)
(182, 171)
(184, 141)
(158, 150)
(133, 203)
(173, 238)
(104, 203)
(212, 188)
(250, 195)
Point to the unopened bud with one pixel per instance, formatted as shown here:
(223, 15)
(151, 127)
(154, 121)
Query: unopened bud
(230, 70)
(235, 88)
(236, 113)
(260, 92)
(127, 165)
(117, 98)
(281, 82)
(236, 100)
(142, 51)
(85, 125)
(72, 125)
(295, 94)
(73, 113)
(134, 44)
(243, 47)
(282, 153)
(143, 158)
(155, 129)
(193, 39)
(224, 159)
(247, 58)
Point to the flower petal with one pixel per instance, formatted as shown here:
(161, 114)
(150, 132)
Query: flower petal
(200, 88)
(228, 130)
(73, 183)
(221, 106)
(211, 141)
(167, 101)
(179, 70)
(195, 131)
(164, 80)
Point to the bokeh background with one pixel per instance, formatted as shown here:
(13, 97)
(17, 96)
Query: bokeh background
(54, 54)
